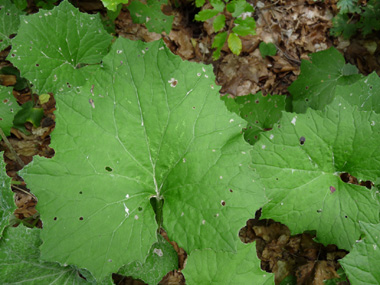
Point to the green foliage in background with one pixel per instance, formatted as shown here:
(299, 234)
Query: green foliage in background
(243, 24)
(354, 17)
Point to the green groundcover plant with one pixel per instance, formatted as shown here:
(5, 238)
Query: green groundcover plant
(142, 141)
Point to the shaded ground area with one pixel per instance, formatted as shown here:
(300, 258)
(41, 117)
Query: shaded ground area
(297, 28)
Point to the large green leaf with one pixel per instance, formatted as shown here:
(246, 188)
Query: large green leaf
(147, 124)
(7, 204)
(362, 263)
(210, 267)
(300, 162)
(8, 108)
(58, 49)
(9, 22)
(20, 261)
(151, 15)
(162, 258)
(364, 93)
(318, 79)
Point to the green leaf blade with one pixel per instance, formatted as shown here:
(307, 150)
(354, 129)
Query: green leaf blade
(234, 43)
(316, 84)
(300, 162)
(9, 22)
(20, 259)
(112, 4)
(210, 267)
(151, 15)
(206, 14)
(52, 62)
(361, 264)
(7, 204)
(8, 109)
(160, 112)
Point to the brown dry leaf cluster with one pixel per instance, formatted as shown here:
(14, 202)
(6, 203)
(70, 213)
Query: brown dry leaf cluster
(286, 255)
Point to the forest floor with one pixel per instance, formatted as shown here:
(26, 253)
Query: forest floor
(297, 28)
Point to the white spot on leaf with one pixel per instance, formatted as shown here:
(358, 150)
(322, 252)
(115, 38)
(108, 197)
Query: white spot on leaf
(271, 136)
(231, 120)
(158, 251)
(126, 210)
(294, 120)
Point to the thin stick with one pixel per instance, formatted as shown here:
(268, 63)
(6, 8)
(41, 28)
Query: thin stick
(10, 147)
(25, 192)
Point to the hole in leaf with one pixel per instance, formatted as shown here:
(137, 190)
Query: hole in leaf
(302, 140)
(55, 218)
(347, 178)
(223, 203)
(319, 211)
(37, 65)
(68, 84)
(370, 87)
(81, 218)
(80, 192)
(109, 169)
(346, 217)
(140, 209)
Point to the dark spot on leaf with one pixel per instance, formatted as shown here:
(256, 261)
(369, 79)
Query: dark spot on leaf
(109, 169)
(193, 107)
(256, 137)
(37, 65)
(276, 178)
(346, 217)
(81, 218)
(1, 119)
(140, 209)
(257, 101)
(332, 189)
(307, 100)
(302, 140)
(370, 87)
(231, 190)
(68, 84)
(12, 55)
(5, 101)
(319, 211)
(223, 203)
(55, 218)
(257, 122)
(80, 192)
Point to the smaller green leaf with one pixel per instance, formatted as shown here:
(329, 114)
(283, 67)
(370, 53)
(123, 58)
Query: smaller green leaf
(205, 15)
(348, 6)
(161, 259)
(217, 5)
(219, 22)
(112, 4)
(245, 26)
(210, 267)
(343, 26)
(199, 3)
(7, 204)
(151, 15)
(9, 22)
(28, 113)
(44, 98)
(364, 93)
(21, 4)
(315, 86)
(370, 18)
(234, 43)
(362, 262)
(20, 261)
(8, 108)
(267, 49)
(238, 7)
(218, 43)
